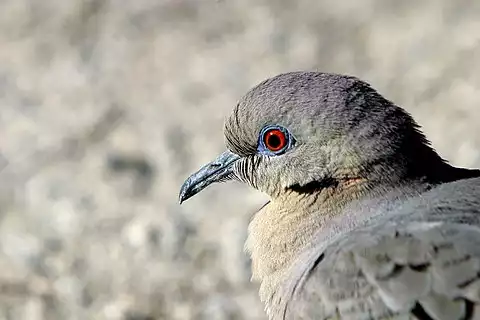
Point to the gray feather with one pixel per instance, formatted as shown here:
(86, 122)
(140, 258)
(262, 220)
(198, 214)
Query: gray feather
(411, 257)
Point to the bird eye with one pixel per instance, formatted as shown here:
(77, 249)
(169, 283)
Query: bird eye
(275, 139)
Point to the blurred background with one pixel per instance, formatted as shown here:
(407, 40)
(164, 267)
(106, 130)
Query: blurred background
(107, 106)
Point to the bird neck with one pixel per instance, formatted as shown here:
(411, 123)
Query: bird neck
(286, 226)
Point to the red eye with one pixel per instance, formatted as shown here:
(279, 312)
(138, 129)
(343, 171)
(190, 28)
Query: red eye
(275, 140)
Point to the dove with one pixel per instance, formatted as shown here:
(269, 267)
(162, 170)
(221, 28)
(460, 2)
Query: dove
(365, 220)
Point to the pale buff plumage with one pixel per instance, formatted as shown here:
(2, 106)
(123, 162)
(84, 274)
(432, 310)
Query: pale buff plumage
(285, 226)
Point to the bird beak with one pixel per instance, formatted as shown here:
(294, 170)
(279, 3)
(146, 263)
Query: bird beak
(220, 169)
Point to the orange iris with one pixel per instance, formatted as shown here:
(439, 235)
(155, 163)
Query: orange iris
(275, 140)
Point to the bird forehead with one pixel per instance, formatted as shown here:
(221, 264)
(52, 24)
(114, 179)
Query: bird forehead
(248, 119)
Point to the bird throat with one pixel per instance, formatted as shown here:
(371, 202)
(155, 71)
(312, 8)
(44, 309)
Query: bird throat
(283, 228)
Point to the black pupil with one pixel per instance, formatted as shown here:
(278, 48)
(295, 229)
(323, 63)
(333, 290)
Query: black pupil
(274, 141)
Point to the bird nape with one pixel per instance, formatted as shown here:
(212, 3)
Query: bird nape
(365, 219)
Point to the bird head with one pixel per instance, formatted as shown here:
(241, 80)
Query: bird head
(306, 131)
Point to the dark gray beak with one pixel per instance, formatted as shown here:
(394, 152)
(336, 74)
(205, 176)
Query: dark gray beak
(220, 169)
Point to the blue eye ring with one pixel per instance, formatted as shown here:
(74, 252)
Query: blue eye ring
(274, 140)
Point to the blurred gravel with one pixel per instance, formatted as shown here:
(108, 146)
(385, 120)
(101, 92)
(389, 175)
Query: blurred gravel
(106, 106)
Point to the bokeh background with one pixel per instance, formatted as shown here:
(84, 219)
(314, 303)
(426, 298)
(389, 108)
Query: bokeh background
(106, 106)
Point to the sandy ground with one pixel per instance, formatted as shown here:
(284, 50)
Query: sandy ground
(106, 106)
